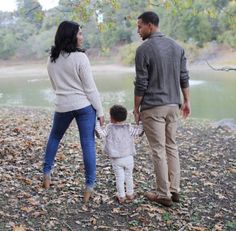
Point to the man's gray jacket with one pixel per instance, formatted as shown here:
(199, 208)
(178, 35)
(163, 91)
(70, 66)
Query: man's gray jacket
(160, 71)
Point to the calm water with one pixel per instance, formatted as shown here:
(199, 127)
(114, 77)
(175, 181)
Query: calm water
(213, 94)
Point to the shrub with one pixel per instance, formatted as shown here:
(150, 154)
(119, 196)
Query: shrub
(127, 53)
(229, 38)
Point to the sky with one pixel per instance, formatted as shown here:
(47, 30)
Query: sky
(10, 5)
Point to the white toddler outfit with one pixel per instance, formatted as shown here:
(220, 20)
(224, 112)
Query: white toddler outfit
(119, 146)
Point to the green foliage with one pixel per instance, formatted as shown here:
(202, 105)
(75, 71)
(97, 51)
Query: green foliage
(8, 44)
(231, 225)
(127, 53)
(227, 22)
(192, 51)
(190, 20)
(31, 11)
(40, 44)
(166, 216)
(24, 30)
(133, 223)
(228, 37)
(194, 30)
(29, 31)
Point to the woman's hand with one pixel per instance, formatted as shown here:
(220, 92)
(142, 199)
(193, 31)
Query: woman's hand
(101, 120)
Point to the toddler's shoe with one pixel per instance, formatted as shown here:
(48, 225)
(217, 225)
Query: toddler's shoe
(121, 200)
(130, 197)
(46, 181)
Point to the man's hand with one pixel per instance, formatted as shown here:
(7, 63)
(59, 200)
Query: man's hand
(137, 116)
(185, 109)
(136, 112)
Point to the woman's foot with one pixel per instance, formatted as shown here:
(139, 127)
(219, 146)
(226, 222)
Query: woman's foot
(87, 194)
(46, 181)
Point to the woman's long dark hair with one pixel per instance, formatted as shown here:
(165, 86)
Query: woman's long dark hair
(65, 39)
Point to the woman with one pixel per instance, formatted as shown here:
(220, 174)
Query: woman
(76, 97)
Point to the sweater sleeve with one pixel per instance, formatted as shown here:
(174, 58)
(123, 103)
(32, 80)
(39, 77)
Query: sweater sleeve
(50, 75)
(102, 132)
(136, 130)
(89, 85)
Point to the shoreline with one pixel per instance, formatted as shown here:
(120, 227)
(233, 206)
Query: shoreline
(223, 123)
(27, 69)
(223, 58)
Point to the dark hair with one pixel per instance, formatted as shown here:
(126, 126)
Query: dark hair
(65, 39)
(149, 17)
(118, 113)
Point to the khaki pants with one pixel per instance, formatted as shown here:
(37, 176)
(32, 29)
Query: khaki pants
(160, 125)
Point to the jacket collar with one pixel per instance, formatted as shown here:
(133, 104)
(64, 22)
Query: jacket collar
(156, 34)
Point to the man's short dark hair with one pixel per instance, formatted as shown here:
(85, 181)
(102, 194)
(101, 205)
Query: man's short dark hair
(118, 113)
(149, 17)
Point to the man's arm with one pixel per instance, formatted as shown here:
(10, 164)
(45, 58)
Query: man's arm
(184, 84)
(141, 82)
(185, 108)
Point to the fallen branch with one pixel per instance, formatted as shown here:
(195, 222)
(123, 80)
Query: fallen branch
(221, 69)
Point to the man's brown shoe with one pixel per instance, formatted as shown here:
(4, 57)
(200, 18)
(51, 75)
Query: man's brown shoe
(46, 181)
(175, 197)
(154, 197)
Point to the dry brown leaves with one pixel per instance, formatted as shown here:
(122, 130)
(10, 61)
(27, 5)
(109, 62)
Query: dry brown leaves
(208, 181)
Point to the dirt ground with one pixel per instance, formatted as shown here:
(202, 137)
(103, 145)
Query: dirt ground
(208, 170)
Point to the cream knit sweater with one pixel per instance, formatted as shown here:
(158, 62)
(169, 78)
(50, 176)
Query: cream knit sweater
(72, 80)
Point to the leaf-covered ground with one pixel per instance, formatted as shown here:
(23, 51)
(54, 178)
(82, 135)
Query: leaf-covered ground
(208, 170)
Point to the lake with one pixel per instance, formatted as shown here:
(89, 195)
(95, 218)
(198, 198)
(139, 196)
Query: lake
(213, 94)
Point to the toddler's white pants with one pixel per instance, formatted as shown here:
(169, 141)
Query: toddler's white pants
(123, 169)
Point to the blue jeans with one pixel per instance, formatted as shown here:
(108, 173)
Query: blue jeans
(85, 119)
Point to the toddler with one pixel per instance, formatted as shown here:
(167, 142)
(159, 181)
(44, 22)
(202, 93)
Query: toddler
(119, 146)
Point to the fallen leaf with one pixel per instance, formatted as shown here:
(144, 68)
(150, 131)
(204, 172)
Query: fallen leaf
(18, 228)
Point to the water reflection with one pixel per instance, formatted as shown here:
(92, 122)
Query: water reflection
(213, 94)
(195, 82)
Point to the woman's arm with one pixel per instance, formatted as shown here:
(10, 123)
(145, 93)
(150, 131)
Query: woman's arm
(89, 85)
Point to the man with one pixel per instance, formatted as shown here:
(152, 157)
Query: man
(160, 74)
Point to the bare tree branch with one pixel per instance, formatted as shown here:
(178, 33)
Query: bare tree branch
(221, 69)
(28, 12)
